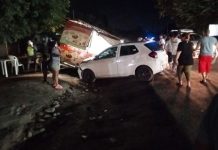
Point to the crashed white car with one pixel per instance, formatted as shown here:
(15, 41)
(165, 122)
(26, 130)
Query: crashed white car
(141, 59)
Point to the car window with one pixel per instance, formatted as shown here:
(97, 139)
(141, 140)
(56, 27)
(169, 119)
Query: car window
(153, 46)
(195, 37)
(128, 50)
(108, 53)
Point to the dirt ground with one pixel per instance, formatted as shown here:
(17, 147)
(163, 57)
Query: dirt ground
(116, 114)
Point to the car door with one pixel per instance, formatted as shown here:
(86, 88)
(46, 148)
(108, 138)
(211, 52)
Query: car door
(105, 64)
(127, 59)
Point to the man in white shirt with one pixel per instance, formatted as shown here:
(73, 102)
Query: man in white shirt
(162, 42)
(171, 47)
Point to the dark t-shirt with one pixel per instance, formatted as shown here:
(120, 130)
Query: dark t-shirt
(186, 49)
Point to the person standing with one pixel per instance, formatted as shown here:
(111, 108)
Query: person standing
(55, 65)
(168, 49)
(184, 59)
(208, 45)
(162, 42)
(30, 54)
(171, 47)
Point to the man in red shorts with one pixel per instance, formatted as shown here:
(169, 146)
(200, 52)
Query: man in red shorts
(208, 46)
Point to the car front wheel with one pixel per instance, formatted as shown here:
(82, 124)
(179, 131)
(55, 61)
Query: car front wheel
(144, 73)
(88, 76)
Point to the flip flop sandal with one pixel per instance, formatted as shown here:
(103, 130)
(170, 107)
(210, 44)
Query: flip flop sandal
(179, 85)
(203, 82)
(58, 87)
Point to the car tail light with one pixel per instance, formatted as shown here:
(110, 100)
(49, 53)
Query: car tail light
(153, 54)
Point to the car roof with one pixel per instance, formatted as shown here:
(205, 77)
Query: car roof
(186, 30)
(135, 43)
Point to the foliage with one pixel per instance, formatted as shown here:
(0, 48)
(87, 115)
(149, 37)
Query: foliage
(22, 18)
(190, 13)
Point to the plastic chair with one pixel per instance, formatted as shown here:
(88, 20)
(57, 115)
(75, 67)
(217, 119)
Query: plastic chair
(15, 64)
(30, 60)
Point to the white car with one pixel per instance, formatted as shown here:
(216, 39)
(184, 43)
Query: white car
(194, 38)
(141, 59)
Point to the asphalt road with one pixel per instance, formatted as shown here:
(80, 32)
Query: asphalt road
(123, 114)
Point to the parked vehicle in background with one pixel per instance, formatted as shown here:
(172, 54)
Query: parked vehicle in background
(194, 38)
(141, 59)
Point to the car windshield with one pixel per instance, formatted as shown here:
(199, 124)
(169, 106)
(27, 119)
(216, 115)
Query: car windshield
(153, 46)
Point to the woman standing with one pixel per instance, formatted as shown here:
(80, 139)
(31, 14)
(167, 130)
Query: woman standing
(30, 54)
(184, 59)
(55, 65)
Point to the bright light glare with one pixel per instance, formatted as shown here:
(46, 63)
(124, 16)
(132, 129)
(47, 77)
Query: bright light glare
(121, 41)
(213, 29)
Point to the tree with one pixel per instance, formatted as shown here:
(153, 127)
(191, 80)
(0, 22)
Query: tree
(22, 18)
(190, 13)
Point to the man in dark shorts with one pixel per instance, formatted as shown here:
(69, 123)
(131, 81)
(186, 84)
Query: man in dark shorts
(207, 45)
(184, 59)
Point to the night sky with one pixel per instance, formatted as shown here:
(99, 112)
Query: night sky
(136, 17)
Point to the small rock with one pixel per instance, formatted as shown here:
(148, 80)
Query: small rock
(42, 130)
(38, 125)
(56, 106)
(40, 114)
(18, 111)
(29, 134)
(39, 131)
(41, 120)
(56, 114)
(59, 98)
(100, 117)
(92, 118)
(13, 109)
(68, 114)
(112, 140)
(86, 90)
(47, 116)
(84, 136)
(50, 110)
(56, 103)
(95, 90)
(69, 91)
(23, 106)
(105, 110)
